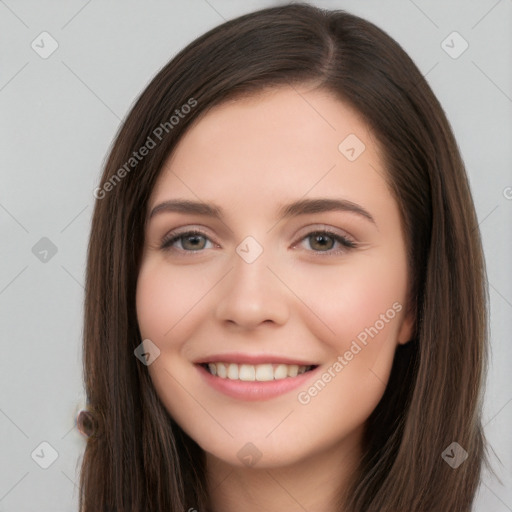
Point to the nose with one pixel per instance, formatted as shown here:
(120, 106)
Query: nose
(252, 294)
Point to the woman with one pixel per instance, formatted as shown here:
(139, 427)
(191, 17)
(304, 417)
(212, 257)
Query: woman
(286, 293)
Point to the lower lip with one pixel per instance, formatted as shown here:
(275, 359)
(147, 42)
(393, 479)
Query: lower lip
(255, 390)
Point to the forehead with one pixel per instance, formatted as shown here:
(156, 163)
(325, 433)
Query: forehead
(283, 142)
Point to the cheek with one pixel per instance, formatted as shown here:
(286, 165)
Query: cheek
(348, 300)
(152, 303)
(166, 300)
(362, 307)
(167, 308)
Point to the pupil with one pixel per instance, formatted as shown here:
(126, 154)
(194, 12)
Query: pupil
(320, 238)
(195, 239)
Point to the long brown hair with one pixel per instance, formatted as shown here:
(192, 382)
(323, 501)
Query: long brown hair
(137, 458)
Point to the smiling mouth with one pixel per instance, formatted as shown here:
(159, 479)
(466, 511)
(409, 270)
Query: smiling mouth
(256, 373)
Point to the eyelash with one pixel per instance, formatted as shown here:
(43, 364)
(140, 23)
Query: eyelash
(347, 244)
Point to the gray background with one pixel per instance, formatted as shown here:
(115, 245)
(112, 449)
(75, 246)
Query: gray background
(58, 118)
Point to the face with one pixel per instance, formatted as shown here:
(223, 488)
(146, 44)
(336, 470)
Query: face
(265, 291)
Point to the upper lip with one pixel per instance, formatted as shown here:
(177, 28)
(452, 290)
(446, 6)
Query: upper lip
(252, 359)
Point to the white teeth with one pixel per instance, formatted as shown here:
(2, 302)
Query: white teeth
(264, 372)
(259, 372)
(293, 370)
(281, 372)
(247, 372)
(221, 370)
(233, 371)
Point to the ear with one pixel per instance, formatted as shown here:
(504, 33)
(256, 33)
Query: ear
(406, 331)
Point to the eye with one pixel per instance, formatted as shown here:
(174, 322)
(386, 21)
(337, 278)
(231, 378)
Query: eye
(190, 241)
(323, 240)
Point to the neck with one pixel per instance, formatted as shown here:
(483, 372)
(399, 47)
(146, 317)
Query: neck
(316, 483)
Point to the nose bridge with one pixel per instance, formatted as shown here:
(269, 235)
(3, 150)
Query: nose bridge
(252, 294)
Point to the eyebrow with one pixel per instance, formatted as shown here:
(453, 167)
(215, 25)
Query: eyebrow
(300, 207)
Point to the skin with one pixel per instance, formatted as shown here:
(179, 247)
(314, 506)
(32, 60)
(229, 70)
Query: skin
(249, 157)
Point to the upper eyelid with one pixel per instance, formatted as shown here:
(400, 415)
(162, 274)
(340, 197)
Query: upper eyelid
(175, 233)
(307, 230)
(324, 227)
